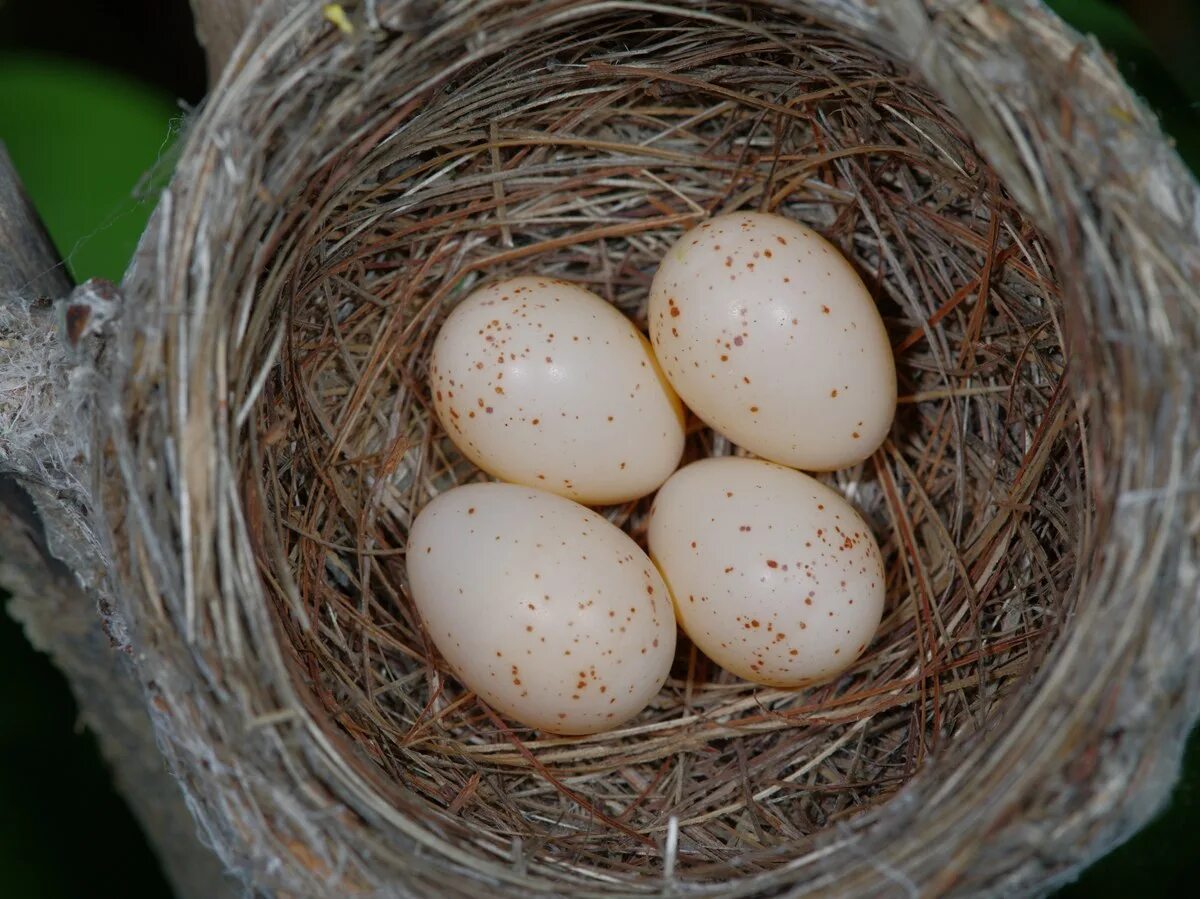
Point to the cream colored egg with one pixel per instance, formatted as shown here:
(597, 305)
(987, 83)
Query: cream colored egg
(552, 615)
(542, 383)
(769, 336)
(774, 575)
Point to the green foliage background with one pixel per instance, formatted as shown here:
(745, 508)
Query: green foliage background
(84, 139)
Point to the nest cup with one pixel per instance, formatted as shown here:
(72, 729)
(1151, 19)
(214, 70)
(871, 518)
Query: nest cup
(270, 438)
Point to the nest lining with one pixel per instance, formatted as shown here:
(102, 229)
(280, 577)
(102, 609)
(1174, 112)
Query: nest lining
(582, 155)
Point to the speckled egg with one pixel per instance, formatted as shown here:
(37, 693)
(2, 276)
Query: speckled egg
(774, 575)
(769, 336)
(551, 614)
(542, 383)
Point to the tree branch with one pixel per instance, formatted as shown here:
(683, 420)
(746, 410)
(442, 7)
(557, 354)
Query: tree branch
(219, 24)
(29, 264)
(43, 504)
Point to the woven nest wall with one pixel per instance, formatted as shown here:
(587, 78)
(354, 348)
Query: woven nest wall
(1030, 241)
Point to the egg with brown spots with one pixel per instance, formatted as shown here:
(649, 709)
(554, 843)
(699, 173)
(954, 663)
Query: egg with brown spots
(540, 382)
(770, 336)
(774, 576)
(548, 612)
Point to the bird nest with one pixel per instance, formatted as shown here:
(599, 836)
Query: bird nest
(270, 438)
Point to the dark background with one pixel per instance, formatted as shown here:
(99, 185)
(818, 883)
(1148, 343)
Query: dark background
(92, 95)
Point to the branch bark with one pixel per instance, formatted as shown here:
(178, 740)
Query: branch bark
(29, 263)
(39, 516)
(219, 24)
